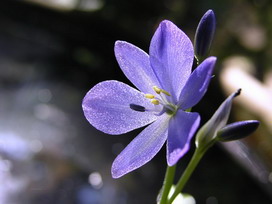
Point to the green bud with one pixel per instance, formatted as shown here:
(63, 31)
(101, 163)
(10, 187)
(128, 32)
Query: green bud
(206, 136)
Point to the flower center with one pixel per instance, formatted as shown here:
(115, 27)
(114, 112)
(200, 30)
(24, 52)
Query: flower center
(161, 102)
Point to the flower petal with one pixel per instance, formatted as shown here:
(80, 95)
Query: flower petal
(197, 84)
(182, 128)
(135, 64)
(171, 57)
(107, 107)
(142, 149)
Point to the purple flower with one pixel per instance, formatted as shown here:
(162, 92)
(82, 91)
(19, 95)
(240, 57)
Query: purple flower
(167, 88)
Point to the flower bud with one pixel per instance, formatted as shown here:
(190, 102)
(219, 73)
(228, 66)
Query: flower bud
(204, 34)
(237, 130)
(206, 136)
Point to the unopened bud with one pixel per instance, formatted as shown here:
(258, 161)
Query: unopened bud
(204, 34)
(206, 136)
(237, 130)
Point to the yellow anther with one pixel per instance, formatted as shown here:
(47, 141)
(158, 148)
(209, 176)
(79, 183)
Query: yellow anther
(155, 102)
(150, 96)
(157, 89)
(165, 92)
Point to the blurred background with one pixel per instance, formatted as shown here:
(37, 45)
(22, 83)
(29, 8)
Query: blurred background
(53, 51)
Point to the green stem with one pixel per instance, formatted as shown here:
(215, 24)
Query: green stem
(198, 154)
(167, 183)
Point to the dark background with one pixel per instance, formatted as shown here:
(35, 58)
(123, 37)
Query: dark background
(50, 57)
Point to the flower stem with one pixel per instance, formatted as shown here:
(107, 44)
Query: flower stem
(198, 154)
(167, 183)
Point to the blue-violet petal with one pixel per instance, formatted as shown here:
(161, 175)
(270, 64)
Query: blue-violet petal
(135, 64)
(171, 57)
(107, 107)
(197, 84)
(182, 128)
(142, 149)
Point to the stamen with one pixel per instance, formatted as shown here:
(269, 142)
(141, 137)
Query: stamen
(137, 107)
(155, 101)
(165, 92)
(162, 100)
(157, 89)
(149, 96)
